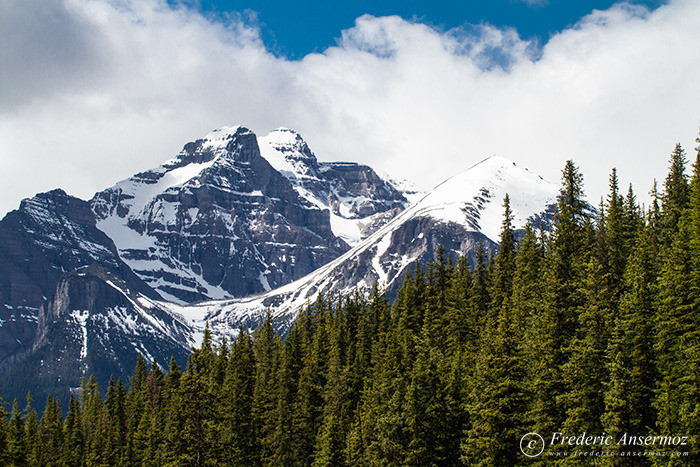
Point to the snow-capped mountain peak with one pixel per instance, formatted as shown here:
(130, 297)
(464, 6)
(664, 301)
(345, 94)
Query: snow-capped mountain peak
(359, 200)
(216, 221)
(475, 197)
(289, 154)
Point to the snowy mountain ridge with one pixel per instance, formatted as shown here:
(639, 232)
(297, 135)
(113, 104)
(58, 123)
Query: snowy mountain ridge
(468, 206)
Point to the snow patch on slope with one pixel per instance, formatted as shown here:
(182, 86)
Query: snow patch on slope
(81, 317)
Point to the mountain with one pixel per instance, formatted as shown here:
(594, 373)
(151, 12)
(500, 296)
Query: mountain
(95, 323)
(460, 213)
(217, 221)
(221, 219)
(232, 226)
(234, 215)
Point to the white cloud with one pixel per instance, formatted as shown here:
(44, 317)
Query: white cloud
(96, 90)
(534, 3)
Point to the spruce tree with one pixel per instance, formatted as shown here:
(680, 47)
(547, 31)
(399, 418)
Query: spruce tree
(16, 439)
(461, 321)
(74, 440)
(330, 442)
(678, 338)
(285, 437)
(497, 403)
(427, 413)
(502, 285)
(236, 404)
(266, 348)
(558, 320)
(676, 195)
(480, 296)
(31, 431)
(631, 359)
(91, 411)
(51, 433)
(527, 279)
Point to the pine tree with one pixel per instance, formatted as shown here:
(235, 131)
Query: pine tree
(480, 295)
(585, 374)
(678, 322)
(237, 403)
(195, 409)
(171, 381)
(115, 411)
(527, 280)
(427, 412)
(676, 194)
(502, 286)
(616, 247)
(312, 380)
(439, 275)
(330, 442)
(51, 434)
(31, 431)
(631, 358)
(285, 437)
(266, 348)
(461, 322)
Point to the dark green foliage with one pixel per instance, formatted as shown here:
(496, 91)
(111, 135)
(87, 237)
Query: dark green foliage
(594, 327)
(498, 401)
(557, 321)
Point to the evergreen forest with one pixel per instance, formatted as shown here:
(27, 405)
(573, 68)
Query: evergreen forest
(592, 328)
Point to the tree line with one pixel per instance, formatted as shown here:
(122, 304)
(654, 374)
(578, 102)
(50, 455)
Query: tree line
(593, 328)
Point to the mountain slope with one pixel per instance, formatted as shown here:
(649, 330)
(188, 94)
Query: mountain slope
(49, 235)
(95, 323)
(461, 213)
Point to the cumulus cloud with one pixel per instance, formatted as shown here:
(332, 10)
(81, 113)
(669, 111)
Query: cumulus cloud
(96, 90)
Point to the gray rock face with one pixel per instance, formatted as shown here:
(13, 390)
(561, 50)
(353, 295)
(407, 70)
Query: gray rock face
(360, 188)
(217, 221)
(95, 323)
(359, 200)
(49, 235)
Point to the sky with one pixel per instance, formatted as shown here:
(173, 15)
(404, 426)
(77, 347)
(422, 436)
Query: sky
(93, 91)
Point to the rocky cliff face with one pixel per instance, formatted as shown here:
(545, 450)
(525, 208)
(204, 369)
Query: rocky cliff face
(217, 221)
(95, 323)
(49, 235)
(359, 200)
